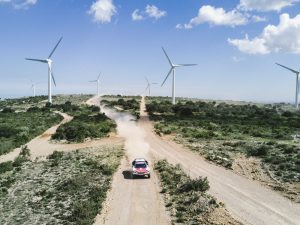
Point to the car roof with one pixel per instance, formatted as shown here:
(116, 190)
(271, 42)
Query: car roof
(140, 159)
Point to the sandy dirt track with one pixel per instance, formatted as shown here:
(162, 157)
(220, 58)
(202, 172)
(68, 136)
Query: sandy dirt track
(246, 200)
(132, 201)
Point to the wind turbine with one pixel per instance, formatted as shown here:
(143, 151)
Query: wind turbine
(50, 73)
(33, 86)
(297, 82)
(148, 86)
(173, 68)
(98, 82)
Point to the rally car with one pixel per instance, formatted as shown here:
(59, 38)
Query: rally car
(140, 167)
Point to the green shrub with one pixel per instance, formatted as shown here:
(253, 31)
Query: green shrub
(258, 151)
(6, 166)
(85, 125)
(56, 155)
(8, 110)
(55, 158)
(200, 184)
(18, 162)
(25, 152)
(186, 198)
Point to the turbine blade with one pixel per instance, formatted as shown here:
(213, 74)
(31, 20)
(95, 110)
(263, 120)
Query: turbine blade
(294, 71)
(53, 79)
(167, 76)
(93, 80)
(167, 56)
(186, 64)
(37, 60)
(54, 48)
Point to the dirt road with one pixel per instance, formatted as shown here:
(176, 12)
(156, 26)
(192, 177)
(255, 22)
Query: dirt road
(132, 201)
(246, 200)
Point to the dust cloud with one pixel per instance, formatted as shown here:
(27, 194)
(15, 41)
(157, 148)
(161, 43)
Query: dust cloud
(128, 129)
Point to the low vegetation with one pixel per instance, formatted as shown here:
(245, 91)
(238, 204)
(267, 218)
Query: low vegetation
(22, 119)
(282, 159)
(220, 132)
(17, 128)
(75, 99)
(88, 122)
(67, 188)
(123, 103)
(22, 104)
(187, 199)
(224, 121)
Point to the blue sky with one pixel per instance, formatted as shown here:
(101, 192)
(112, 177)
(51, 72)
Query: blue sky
(235, 45)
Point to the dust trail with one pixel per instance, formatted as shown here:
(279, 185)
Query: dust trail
(127, 128)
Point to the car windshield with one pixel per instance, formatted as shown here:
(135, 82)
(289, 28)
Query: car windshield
(140, 165)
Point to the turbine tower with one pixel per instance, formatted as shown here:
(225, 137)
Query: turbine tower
(148, 86)
(50, 73)
(33, 86)
(98, 83)
(173, 68)
(297, 82)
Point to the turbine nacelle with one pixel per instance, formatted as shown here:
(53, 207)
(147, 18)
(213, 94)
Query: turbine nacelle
(174, 66)
(49, 61)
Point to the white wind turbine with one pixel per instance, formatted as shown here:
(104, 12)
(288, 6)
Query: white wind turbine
(33, 86)
(98, 83)
(173, 67)
(297, 82)
(50, 73)
(148, 86)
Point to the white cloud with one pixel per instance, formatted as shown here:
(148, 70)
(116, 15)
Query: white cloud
(154, 12)
(256, 18)
(136, 15)
(282, 38)
(254, 46)
(265, 5)
(20, 4)
(216, 16)
(103, 11)
(25, 4)
(151, 11)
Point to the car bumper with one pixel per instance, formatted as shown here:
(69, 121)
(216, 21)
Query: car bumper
(140, 174)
